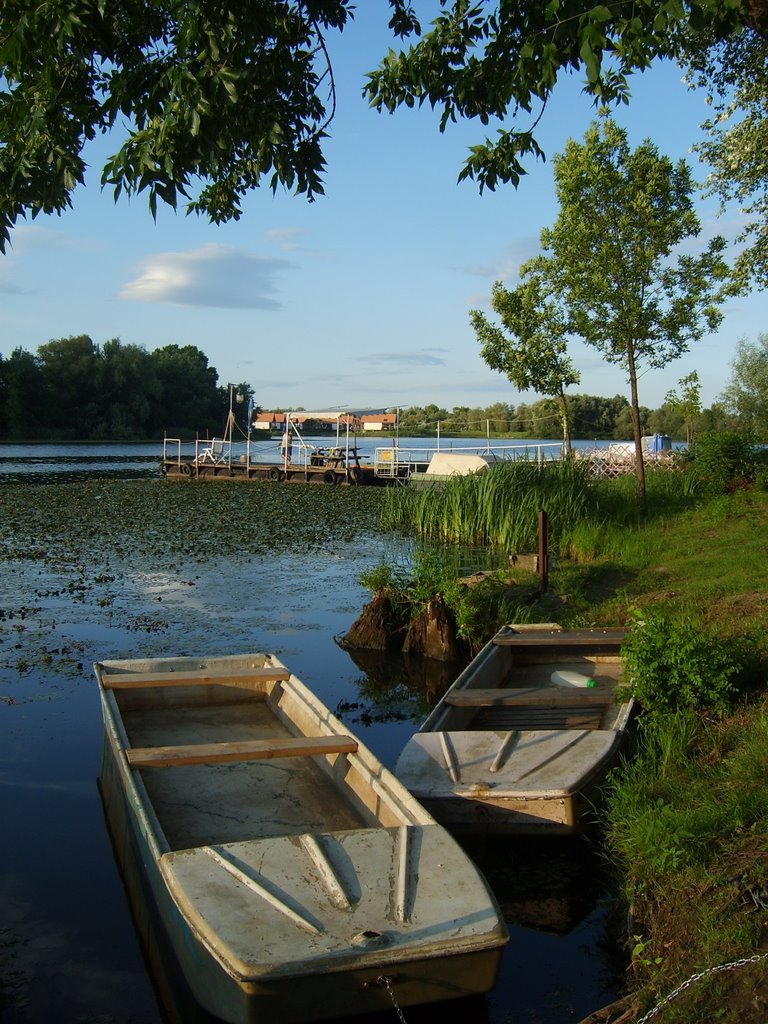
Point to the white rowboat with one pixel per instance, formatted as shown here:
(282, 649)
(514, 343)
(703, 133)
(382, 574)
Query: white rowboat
(514, 746)
(294, 876)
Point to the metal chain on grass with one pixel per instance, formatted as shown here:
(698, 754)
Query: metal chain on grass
(698, 977)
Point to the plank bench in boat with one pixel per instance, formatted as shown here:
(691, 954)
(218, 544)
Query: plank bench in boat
(252, 750)
(211, 753)
(555, 638)
(570, 717)
(544, 696)
(201, 677)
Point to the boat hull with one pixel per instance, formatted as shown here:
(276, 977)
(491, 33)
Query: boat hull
(508, 751)
(322, 981)
(497, 802)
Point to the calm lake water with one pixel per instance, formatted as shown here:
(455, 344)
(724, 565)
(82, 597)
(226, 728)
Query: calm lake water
(38, 462)
(68, 949)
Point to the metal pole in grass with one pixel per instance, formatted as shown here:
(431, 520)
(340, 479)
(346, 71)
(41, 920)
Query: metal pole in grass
(543, 558)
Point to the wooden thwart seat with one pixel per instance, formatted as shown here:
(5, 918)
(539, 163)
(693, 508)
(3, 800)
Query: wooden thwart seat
(249, 750)
(572, 638)
(201, 677)
(533, 719)
(544, 696)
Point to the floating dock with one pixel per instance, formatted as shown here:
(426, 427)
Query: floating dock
(341, 464)
(302, 461)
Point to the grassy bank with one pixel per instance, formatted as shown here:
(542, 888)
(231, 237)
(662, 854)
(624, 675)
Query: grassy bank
(687, 831)
(686, 818)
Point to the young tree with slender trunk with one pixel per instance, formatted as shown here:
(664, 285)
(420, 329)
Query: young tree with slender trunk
(687, 402)
(530, 347)
(613, 258)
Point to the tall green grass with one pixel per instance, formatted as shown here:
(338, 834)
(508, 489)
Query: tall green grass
(500, 508)
(685, 824)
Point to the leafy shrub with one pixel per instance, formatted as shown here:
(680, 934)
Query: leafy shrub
(384, 578)
(430, 574)
(723, 461)
(670, 667)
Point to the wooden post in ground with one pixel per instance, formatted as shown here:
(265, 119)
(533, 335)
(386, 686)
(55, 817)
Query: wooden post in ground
(543, 559)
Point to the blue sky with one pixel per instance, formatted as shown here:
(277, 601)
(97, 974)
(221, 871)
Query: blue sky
(361, 298)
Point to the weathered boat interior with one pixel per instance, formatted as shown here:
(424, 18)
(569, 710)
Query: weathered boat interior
(223, 762)
(510, 686)
(520, 742)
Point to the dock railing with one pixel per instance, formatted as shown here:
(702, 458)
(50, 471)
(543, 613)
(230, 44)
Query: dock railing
(396, 462)
(172, 450)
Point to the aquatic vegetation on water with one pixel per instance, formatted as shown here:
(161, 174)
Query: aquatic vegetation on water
(169, 522)
(97, 559)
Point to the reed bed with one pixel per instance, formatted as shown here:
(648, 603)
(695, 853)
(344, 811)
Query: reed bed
(500, 508)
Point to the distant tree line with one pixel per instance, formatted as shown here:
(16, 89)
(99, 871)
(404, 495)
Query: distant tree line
(592, 418)
(741, 407)
(73, 389)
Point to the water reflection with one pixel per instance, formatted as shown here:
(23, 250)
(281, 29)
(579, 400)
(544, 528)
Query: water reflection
(550, 884)
(397, 686)
(33, 463)
(68, 949)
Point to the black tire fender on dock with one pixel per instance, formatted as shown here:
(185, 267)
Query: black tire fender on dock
(186, 469)
(274, 473)
(329, 477)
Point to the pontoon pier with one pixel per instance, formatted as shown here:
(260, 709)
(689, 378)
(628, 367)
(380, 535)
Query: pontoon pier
(292, 458)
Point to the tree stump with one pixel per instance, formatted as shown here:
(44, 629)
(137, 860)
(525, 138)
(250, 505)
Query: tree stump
(377, 628)
(432, 633)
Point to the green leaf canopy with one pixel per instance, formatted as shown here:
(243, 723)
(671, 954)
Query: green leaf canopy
(216, 99)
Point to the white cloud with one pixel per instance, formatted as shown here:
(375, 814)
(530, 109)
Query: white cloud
(214, 275)
(507, 267)
(426, 357)
(288, 239)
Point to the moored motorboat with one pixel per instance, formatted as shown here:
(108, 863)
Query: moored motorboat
(522, 740)
(295, 877)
